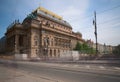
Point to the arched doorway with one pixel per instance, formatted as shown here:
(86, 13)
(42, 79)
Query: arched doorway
(50, 53)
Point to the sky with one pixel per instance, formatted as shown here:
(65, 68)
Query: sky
(79, 13)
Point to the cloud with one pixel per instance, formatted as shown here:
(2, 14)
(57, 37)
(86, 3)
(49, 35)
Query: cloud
(74, 11)
(70, 12)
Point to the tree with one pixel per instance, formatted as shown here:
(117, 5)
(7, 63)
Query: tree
(78, 46)
(84, 48)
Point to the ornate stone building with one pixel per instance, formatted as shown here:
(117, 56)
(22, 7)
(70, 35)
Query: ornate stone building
(42, 33)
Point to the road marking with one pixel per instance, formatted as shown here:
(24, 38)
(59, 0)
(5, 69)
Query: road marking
(87, 66)
(101, 67)
(66, 65)
(118, 68)
(76, 65)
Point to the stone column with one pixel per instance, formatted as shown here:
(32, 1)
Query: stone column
(16, 44)
(48, 52)
(52, 52)
(56, 53)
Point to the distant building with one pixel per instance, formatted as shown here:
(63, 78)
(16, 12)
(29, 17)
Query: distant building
(102, 48)
(42, 33)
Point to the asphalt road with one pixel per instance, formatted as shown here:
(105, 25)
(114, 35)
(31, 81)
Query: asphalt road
(60, 75)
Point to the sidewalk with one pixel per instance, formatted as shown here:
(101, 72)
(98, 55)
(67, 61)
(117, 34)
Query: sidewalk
(12, 75)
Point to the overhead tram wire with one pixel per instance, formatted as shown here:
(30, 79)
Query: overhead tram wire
(118, 6)
(111, 20)
(116, 24)
(100, 12)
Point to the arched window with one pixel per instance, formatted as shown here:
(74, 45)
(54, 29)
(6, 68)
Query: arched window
(36, 51)
(36, 43)
(46, 41)
(35, 40)
(50, 53)
(20, 40)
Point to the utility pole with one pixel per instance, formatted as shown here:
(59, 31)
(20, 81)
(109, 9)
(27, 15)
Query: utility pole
(95, 24)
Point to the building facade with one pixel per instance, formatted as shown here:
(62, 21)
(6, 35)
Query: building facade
(42, 33)
(2, 44)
